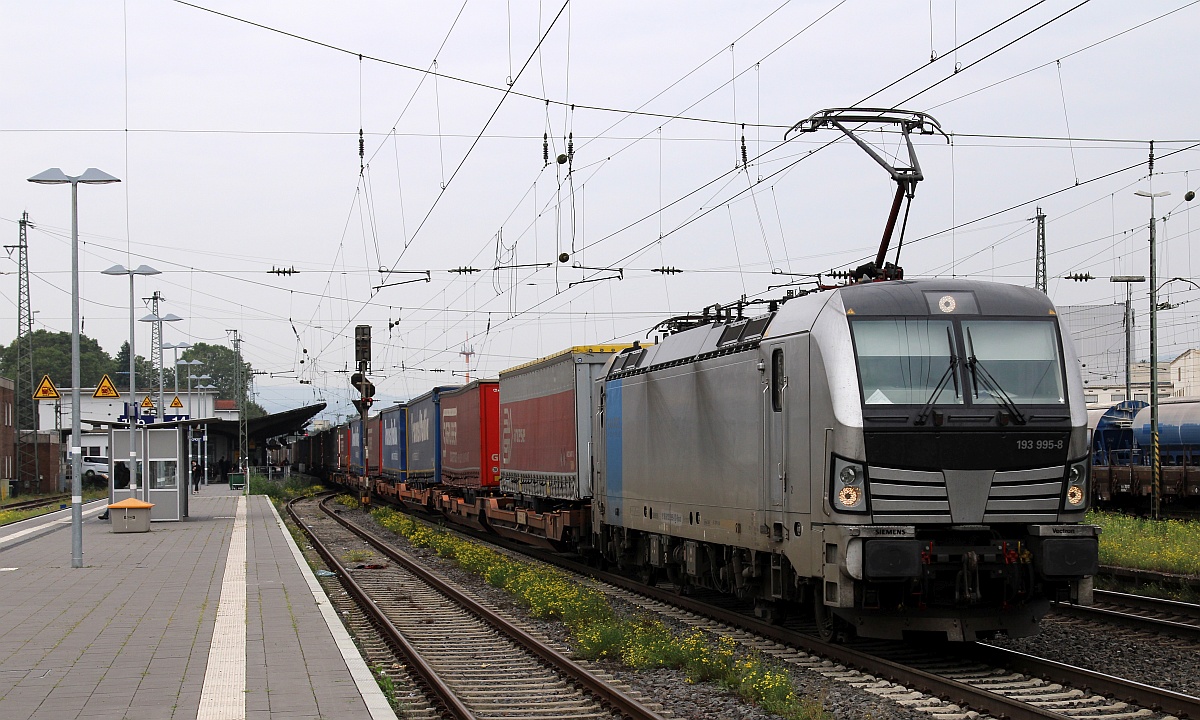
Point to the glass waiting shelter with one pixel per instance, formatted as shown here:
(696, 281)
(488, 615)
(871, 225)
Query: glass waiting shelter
(162, 476)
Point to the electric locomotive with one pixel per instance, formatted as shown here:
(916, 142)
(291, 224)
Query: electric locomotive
(896, 457)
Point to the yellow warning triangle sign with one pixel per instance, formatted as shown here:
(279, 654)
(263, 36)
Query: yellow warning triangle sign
(175, 403)
(46, 390)
(106, 389)
(147, 402)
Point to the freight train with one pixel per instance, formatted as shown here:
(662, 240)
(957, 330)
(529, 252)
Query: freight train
(1121, 455)
(891, 458)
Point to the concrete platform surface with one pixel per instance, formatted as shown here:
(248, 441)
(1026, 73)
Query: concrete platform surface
(214, 617)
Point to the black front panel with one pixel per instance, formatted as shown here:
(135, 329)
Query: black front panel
(991, 450)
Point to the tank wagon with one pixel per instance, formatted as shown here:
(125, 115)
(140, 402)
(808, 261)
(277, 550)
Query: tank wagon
(905, 456)
(1122, 447)
(890, 457)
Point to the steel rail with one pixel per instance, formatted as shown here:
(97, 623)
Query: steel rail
(450, 702)
(1188, 630)
(1149, 577)
(953, 691)
(37, 503)
(960, 693)
(963, 694)
(608, 695)
(1147, 696)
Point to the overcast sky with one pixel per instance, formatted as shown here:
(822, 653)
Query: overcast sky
(234, 127)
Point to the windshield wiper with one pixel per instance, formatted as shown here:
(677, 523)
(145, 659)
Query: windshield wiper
(979, 373)
(951, 372)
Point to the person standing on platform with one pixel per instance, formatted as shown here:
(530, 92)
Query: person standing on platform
(197, 476)
(223, 466)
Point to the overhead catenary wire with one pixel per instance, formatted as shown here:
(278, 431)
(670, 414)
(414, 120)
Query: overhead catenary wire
(367, 196)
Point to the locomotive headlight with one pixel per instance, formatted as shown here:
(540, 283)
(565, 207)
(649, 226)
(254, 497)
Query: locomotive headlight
(848, 486)
(849, 496)
(1077, 483)
(849, 475)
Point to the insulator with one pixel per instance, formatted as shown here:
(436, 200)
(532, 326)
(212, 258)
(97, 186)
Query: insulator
(744, 161)
(570, 146)
(545, 149)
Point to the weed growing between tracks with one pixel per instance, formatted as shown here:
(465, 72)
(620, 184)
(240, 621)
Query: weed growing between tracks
(281, 489)
(642, 642)
(1171, 546)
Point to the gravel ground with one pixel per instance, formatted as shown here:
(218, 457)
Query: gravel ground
(700, 701)
(1158, 660)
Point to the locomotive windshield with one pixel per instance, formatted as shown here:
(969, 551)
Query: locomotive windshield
(918, 361)
(902, 361)
(1021, 355)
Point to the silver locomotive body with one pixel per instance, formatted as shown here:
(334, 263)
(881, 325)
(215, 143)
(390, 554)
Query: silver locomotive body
(906, 456)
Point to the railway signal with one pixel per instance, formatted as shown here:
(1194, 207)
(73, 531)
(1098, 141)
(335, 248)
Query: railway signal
(366, 388)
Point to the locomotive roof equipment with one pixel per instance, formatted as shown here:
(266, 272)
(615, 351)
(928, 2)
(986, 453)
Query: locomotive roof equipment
(906, 178)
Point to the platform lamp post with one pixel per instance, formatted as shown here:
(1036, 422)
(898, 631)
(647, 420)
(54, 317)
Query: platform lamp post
(153, 318)
(177, 347)
(207, 387)
(132, 412)
(91, 176)
(194, 364)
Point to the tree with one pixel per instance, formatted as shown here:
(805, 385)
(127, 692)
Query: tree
(144, 369)
(52, 356)
(222, 364)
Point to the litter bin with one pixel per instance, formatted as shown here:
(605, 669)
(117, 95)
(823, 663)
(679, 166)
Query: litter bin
(132, 516)
(237, 481)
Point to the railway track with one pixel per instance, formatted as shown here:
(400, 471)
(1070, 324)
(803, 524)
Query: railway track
(1138, 577)
(36, 503)
(982, 677)
(471, 661)
(1178, 619)
(940, 679)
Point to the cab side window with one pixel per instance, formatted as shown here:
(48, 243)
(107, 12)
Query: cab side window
(777, 380)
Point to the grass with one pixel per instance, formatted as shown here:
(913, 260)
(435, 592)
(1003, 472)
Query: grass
(282, 489)
(357, 556)
(12, 516)
(598, 632)
(1171, 546)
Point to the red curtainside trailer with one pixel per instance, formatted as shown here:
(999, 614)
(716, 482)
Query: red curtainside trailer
(471, 435)
(545, 445)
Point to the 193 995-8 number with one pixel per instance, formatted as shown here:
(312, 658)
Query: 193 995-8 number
(1055, 444)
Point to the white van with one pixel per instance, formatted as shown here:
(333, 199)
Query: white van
(95, 466)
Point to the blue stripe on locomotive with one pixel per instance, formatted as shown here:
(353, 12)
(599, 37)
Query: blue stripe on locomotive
(613, 454)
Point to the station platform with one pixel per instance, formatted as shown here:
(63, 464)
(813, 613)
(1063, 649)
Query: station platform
(214, 617)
